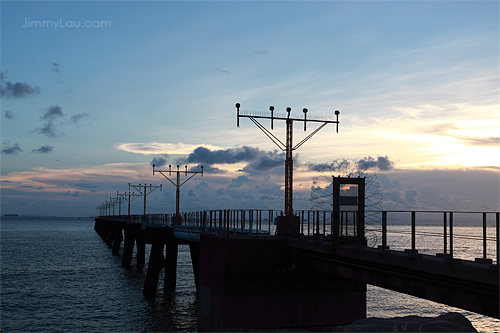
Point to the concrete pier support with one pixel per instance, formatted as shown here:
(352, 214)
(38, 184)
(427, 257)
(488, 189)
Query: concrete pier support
(130, 231)
(255, 283)
(171, 251)
(194, 249)
(155, 265)
(110, 233)
(117, 236)
(140, 240)
(160, 238)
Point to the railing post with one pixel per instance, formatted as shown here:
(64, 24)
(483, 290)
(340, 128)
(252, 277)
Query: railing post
(308, 223)
(220, 222)
(317, 225)
(384, 232)
(302, 224)
(484, 236)
(451, 235)
(413, 251)
(242, 220)
(271, 213)
(250, 221)
(324, 223)
(498, 239)
(444, 234)
(413, 232)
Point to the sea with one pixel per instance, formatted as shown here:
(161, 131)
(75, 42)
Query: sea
(57, 275)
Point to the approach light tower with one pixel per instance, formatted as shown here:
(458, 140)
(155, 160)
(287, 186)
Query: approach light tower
(288, 148)
(178, 184)
(128, 197)
(144, 191)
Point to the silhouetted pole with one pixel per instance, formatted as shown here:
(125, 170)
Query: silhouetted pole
(178, 184)
(129, 197)
(145, 192)
(288, 148)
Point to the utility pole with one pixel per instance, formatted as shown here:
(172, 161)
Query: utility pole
(288, 148)
(178, 184)
(129, 197)
(144, 192)
(112, 202)
(118, 200)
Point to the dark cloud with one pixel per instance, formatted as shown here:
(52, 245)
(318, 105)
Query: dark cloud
(52, 113)
(411, 196)
(267, 161)
(56, 67)
(50, 116)
(76, 118)
(17, 90)
(223, 72)
(160, 160)
(445, 128)
(315, 167)
(49, 130)
(238, 182)
(222, 156)
(11, 149)
(221, 191)
(261, 52)
(210, 169)
(85, 186)
(192, 193)
(9, 115)
(382, 163)
(43, 150)
(486, 141)
(259, 159)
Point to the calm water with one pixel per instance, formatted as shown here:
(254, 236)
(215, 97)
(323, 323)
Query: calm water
(58, 275)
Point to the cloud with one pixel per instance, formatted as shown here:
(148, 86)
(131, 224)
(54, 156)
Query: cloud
(210, 169)
(260, 160)
(160, 161)
(382, 163)
(261, 52)
(9, 115)
(50, 116)
(267, 161)
(315, 167)
(450, 129)
(238, 182)
(192, 193)
(43, 150)
(222, 156)
(56, 67)
(76, 118)
(85, 186)
(11, 149)
(17, 90)
(486, 141)
(153, 148)
(223, 71)
(52, 113)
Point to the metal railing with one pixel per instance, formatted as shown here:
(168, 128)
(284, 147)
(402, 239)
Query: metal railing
(448, 234)
(322, 226)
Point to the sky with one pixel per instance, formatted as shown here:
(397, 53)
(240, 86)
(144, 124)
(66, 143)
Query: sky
(94, 93)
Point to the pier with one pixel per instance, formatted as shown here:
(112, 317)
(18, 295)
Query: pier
(312, 276)
(308, 270)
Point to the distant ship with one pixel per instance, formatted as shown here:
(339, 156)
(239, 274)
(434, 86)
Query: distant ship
(10, 214)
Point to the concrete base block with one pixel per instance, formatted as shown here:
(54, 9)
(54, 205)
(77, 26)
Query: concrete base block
(253, 283)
